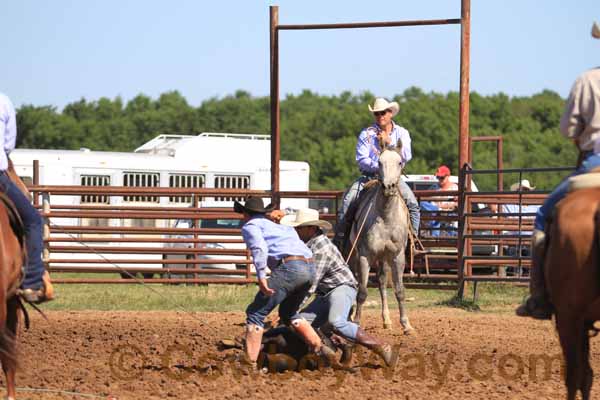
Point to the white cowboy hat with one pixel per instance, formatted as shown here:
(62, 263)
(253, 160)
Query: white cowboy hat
(382, 104)
(596, 30)
(524, 184)
(305, 217)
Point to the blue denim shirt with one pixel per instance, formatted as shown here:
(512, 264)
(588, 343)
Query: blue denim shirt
(270, 242)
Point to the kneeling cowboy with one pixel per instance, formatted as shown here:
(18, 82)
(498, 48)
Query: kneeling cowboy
(292, 274)
(335, 285)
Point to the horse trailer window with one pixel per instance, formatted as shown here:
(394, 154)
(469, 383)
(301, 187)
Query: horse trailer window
(231, 182)
(184, 181)
(95, 180)
(141, 179)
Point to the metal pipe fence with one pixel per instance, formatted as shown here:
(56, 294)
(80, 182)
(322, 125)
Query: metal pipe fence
(140, 239)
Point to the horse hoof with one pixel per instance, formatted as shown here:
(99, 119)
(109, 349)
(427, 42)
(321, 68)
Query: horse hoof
(409, 331)
(387, 326)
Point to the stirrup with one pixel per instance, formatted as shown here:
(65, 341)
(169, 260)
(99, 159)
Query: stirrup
(33, 296)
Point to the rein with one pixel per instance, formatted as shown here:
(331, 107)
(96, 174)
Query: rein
(412, 237)
(359, 232)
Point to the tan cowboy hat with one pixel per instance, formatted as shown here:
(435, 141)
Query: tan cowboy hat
(596, 30)
(305, 217)
(524, 184)
(381, 104)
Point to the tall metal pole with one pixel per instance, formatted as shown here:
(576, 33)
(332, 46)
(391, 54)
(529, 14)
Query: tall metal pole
(464, 156)
(275, 138)
(465, 57)
(500, 163)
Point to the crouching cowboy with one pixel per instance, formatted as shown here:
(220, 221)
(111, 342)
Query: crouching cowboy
(334, 285)
(292, 273)
(367, 156)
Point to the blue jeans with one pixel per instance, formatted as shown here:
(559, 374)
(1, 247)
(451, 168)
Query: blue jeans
(590, 162)
(291, 282)
(353, 191)
(333, 308)
(32, 221)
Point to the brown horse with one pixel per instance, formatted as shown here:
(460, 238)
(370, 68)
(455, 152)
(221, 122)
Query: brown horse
(572, 271)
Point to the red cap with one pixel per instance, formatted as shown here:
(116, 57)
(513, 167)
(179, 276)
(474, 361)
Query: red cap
(443, 171)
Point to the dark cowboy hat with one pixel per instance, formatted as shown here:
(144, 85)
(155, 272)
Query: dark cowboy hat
(253, 205)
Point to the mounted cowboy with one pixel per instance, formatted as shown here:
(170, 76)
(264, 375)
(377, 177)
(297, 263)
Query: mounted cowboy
(367, 157)
(580, 122)
(36, 286)
(334, 285)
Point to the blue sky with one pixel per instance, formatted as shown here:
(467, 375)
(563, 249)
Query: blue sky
(56, 52)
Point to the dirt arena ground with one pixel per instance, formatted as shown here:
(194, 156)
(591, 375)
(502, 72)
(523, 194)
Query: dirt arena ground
(132, 355)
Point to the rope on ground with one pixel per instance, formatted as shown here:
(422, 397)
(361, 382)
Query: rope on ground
(179, 306)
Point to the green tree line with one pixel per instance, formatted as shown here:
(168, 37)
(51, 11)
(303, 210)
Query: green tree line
(321, 129)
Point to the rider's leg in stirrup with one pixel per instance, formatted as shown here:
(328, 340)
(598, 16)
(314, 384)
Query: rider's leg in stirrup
(413, 206)
(348, 197)
(36, 287)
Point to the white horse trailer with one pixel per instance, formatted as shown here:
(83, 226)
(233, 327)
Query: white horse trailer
(209, 160)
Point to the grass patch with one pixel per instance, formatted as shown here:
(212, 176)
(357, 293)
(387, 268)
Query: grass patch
(137, 297)
(464, 304)
(492, 297)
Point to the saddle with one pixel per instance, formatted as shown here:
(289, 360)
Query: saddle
(345, 246)
(414, 247)
(16, 223)
(588, 180)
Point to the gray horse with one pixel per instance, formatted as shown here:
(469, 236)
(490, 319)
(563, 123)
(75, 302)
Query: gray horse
(379, 236)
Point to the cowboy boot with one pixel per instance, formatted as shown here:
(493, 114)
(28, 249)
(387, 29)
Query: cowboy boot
(253, 343)
(536, 305)
(305, 330)
(45, 293)
(347, 348)
(48, 288)
(383, 350)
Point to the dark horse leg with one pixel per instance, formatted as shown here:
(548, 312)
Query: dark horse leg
(571, 332)
(588, 374)
(8, 356)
